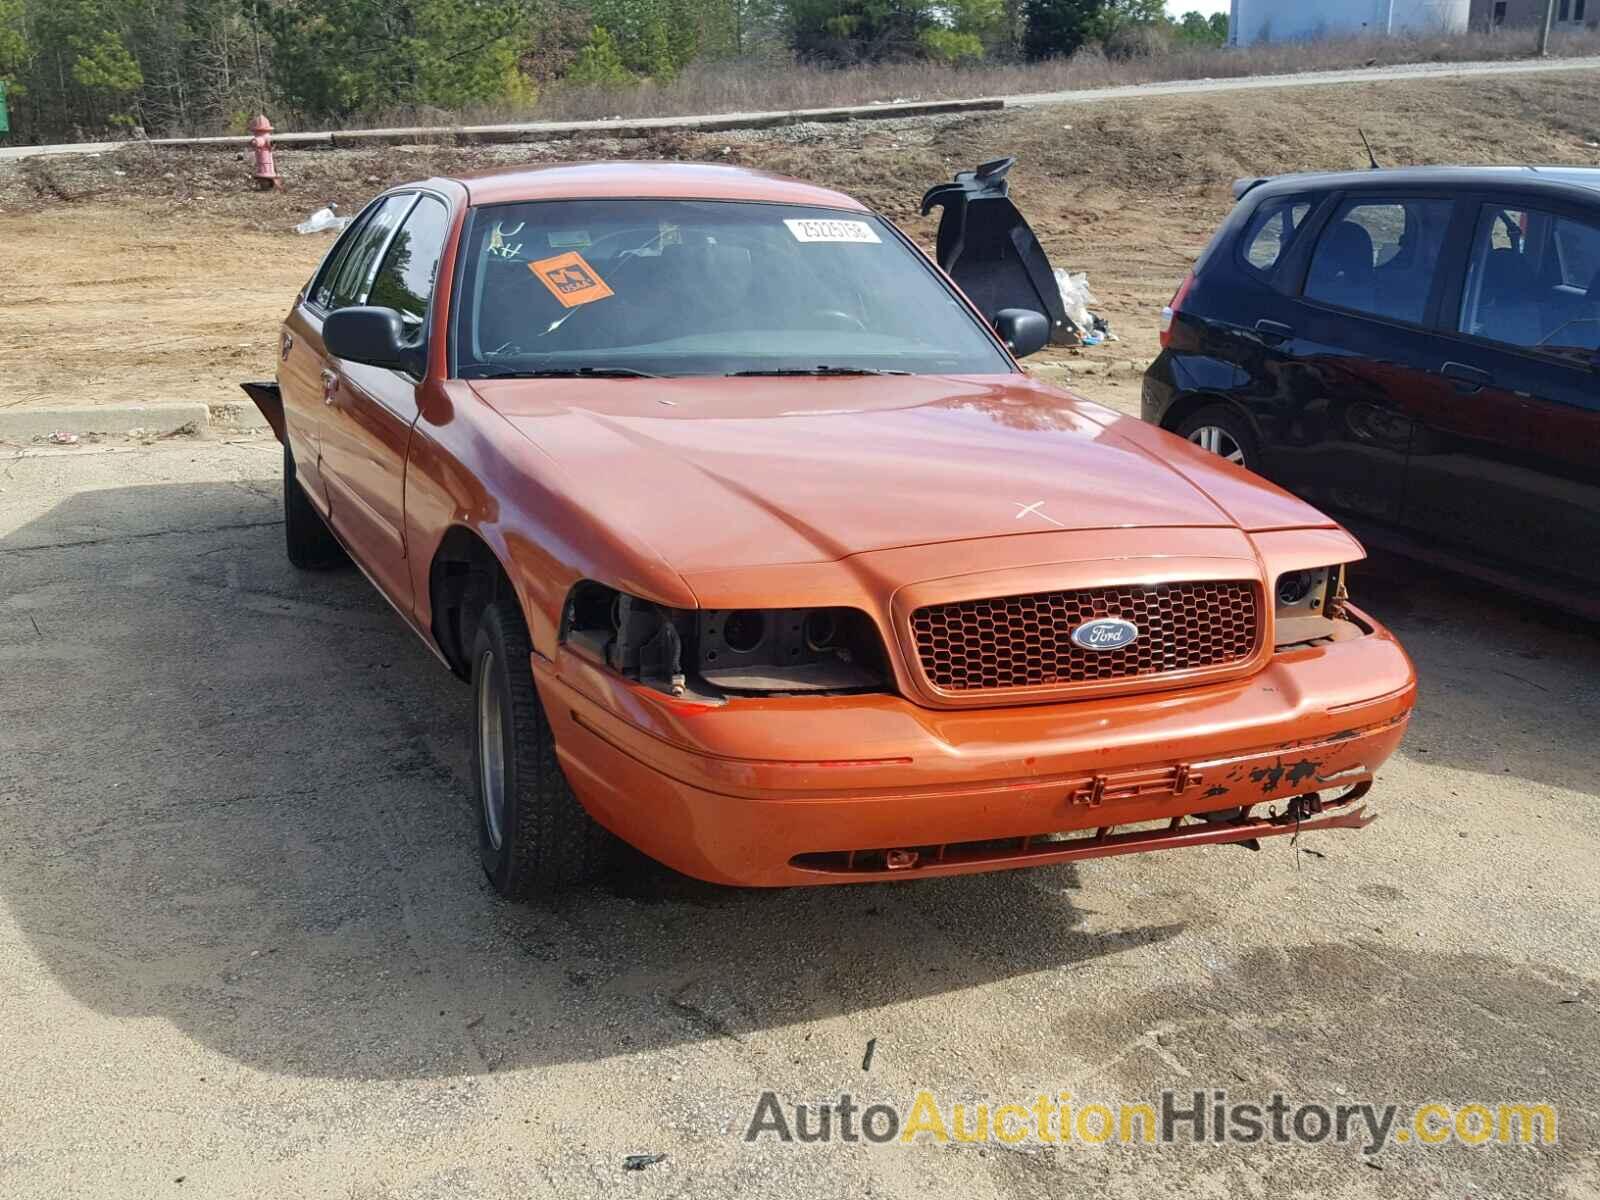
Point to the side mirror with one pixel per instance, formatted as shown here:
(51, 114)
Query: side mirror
(1023, 331)
(374, 336)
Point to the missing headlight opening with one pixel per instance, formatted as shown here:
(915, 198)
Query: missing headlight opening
(719, 653)
(1296, 588)
(1311, 609)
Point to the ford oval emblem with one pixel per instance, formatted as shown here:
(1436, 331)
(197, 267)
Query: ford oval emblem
(1107, 633)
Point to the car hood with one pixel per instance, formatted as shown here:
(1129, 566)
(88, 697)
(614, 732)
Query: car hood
(722, 473)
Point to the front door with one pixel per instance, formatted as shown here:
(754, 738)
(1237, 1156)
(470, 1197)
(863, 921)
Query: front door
(1527, 333)
(367, 424)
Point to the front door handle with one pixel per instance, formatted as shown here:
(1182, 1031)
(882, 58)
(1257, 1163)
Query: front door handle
(330, 385)
(1468, 379)
(1275, 330)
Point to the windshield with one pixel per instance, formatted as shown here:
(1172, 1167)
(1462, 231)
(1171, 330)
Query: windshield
(692, 287)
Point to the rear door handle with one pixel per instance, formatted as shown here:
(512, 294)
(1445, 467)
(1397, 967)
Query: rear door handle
(1275, 330)
(1470, 379)
(330, 385)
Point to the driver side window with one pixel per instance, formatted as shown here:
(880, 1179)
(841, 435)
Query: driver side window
(1534, 281)
(405, 279)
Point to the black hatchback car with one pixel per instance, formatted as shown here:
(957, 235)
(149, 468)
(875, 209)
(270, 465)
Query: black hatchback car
(1417, 350)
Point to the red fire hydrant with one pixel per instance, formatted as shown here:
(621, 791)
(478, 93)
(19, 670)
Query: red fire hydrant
(265, 173)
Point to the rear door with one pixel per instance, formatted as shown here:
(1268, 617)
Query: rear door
(368, 419)
(1356, 350)
(1525, 315)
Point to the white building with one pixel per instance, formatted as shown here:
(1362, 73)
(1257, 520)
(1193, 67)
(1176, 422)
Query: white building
(1255, 21)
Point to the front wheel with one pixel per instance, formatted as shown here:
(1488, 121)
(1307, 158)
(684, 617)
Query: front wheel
(1224, 433)
(533, 833)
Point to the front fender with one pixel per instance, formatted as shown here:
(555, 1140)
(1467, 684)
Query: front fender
(469, 467)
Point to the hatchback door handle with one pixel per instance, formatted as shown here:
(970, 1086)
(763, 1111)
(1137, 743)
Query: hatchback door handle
(1469, 378)
(1275, 329)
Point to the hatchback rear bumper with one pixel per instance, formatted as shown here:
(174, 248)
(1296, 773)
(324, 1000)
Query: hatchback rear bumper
(1158, 389)
(856, 788)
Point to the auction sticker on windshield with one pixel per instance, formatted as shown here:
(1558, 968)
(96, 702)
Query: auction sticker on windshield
(809, 229)
(570, 279)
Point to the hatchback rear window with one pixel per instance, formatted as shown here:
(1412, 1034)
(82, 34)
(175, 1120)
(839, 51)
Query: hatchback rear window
(1272, 230)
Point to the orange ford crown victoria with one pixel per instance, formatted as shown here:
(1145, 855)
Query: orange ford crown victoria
(761, 554)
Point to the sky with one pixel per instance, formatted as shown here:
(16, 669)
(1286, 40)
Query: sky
(1178, 7)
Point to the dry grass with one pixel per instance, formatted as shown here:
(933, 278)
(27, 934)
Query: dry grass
(764, 86)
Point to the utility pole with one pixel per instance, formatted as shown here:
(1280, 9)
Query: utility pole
(1544, 27)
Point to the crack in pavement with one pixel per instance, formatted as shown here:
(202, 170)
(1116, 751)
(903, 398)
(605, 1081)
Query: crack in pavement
(133, 537)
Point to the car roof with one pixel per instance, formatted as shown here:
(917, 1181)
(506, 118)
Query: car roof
(645, 180)
(1579, 183)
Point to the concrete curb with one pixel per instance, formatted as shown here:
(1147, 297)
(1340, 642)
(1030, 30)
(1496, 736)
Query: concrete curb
(543, 131)
(188, 418)
(535, 131)
(531, 131)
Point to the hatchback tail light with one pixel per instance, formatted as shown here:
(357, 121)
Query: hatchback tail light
(1174, 307)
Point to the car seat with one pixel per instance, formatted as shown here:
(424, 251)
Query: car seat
(1585, 332)
(711, 282)
(1508, 300)
(1342, 272)
(515, 308)
(689, 288)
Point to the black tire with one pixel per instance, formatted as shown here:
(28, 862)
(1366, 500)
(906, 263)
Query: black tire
(309, 542)
(1232, 424)
(545, 839)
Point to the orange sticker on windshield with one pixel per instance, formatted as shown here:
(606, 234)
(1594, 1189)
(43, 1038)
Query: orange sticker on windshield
(570, 280)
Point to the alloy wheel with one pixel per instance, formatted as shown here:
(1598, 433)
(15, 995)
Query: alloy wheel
(1220, 442)
(491, 750)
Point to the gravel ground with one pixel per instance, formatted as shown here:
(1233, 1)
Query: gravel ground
(245, 947)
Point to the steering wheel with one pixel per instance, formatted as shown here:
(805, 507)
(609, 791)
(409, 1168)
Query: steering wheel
(840, 316)
(1564, 326)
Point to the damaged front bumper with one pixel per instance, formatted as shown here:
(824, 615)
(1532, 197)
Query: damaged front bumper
(789, 790)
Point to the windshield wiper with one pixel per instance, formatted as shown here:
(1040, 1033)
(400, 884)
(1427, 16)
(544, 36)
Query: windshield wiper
(820, 370)
(572, 373)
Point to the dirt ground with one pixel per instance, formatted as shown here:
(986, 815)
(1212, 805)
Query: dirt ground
(150, 275)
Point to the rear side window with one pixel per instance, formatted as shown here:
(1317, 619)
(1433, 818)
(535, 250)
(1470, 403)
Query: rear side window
(1272, 231)
(405, 279)
(1380, 257)
(348, 275)
(320, 290)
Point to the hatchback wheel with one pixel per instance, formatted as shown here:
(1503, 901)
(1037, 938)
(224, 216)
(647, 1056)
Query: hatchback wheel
(1224, 433)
